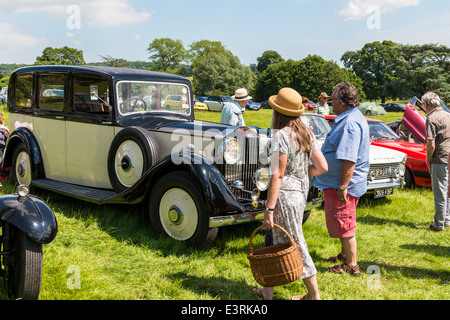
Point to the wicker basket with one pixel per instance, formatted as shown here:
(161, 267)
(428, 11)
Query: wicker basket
(275, 265)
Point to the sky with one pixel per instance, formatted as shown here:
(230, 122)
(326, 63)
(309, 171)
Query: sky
(294, 28)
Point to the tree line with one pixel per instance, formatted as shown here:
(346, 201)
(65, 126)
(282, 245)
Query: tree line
(380, 70)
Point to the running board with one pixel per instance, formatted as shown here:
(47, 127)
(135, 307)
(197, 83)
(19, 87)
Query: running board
(93, 195)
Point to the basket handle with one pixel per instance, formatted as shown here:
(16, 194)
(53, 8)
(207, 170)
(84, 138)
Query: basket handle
(259, 228)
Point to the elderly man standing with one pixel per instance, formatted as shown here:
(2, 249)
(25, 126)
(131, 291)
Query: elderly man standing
(231, 113)
(438, 148)
(321, 107)
(346, 150)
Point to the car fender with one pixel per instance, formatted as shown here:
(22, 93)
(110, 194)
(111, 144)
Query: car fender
(31, 215)
(218, 196)
(24, 135)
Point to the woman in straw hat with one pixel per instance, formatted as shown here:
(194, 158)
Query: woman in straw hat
(293, 146)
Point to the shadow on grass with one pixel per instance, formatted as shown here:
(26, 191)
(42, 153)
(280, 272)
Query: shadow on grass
(367, 268)
(368, 219)
(130, 224)
(216, 287)
(431, 249)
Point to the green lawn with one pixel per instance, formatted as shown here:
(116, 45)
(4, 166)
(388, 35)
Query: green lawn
(111, 253)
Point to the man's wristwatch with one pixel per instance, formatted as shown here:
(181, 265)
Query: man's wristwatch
(342, 187)
(267, 209)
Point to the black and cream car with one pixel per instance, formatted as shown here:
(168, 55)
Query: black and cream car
(123, 136)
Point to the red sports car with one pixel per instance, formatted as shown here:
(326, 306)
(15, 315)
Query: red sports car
(381, 135)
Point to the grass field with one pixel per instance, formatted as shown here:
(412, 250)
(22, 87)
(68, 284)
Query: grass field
(109, 252)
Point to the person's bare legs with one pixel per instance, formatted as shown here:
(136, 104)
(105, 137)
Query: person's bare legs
(312, 288)
(349, 250)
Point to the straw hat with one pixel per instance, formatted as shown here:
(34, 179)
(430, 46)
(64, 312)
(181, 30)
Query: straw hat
(241, 95)
(324, 95)
(287, 102)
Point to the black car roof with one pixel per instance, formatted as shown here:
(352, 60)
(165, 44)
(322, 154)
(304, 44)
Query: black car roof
(116, 73)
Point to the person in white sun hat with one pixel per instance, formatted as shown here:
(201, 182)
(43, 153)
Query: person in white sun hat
(231, 113)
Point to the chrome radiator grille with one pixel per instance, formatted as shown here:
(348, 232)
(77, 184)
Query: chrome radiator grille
(383, 171)
(244, 169)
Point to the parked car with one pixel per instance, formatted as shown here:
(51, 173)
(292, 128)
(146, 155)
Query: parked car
(414, 120)
(215, 103)
(109, 140)
(371, 108)
(387, 167)
(311, 105)
(200, 105)
(393, 107)
(417, 172)
(251, 105)
(26, 224)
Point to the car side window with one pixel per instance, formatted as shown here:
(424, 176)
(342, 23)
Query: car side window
(23, 91)
(51, 92)
(91, 95)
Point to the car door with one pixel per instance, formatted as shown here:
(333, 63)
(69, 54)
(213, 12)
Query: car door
(89, 131)
(50, 123)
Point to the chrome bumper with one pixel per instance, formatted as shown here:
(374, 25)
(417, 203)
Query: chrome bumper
(371, 187)
(246, 217)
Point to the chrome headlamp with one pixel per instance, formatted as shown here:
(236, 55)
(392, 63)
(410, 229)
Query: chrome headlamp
(261, 179)
(22, 192)
(231, 151)
(402, 167)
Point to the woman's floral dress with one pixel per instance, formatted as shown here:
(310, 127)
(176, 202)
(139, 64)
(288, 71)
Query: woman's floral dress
(291, 202)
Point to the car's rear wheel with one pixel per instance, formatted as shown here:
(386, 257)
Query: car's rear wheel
(177, 210)
(133, 151)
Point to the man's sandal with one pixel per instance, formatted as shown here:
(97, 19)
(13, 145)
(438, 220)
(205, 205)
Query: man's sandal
(354, 271)
(339, 257)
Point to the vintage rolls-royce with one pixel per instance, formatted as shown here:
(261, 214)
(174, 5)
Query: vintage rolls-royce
(113, 135)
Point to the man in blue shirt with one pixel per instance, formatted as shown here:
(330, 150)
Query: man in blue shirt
(232, 112)
(346, 150)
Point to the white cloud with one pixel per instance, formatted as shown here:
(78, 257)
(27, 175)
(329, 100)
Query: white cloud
(104, 13)
(14, 40)
(361, 9)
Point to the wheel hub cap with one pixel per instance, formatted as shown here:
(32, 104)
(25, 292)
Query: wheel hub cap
(21, 170)
(126, 163)
(176, 215)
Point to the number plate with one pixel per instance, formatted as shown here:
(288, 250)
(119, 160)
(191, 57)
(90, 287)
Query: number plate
(381, 193)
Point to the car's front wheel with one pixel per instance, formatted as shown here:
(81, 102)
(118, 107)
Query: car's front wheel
(22, 259)
(177, 210)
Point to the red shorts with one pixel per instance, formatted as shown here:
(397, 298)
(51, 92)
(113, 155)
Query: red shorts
(340, 218)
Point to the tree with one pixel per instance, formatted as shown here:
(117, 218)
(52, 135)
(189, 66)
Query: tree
(268, 57)
(309, 77)
(60, 56)
(166, 54)
(216, 70)
(422, 68)
(373, 65)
